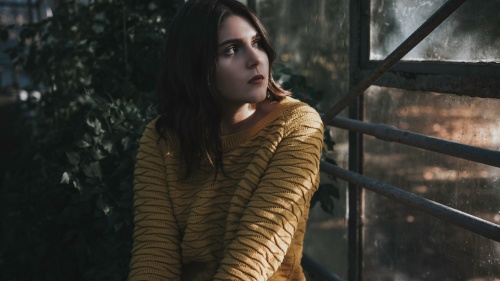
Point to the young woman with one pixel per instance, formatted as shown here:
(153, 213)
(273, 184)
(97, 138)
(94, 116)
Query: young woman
(225, 174)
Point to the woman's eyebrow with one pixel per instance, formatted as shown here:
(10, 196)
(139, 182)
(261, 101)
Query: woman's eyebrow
(236, 40)
(231, 41)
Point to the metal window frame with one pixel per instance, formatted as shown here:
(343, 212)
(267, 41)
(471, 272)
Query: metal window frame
(473, 79)
(461, 78)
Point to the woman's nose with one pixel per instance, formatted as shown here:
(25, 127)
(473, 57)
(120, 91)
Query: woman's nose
(254, 58)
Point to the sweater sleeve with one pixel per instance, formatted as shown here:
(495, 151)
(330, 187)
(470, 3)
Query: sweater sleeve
(272, 215)
(156, 249)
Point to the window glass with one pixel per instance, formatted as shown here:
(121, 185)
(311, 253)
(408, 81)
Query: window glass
(15, 16)
(471, 34)
(401, 243)
(311, 38)
(23, 2)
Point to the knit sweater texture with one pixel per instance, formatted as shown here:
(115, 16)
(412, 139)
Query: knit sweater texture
(246, 224)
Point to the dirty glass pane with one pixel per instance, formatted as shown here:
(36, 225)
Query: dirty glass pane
(311, 41)
(15, 16)
(401, 243)
(471, 34)
(311, 38)
(16, 2)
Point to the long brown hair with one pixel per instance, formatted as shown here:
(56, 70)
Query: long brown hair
(188, 102)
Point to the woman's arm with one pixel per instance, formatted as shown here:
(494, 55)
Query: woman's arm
(271, 218)
(156, 250)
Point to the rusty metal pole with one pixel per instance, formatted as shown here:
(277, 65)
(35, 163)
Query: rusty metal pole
(459, 218)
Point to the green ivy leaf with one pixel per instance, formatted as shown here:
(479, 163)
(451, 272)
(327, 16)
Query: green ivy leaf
(65, 177)
(96, 125)
(73, 158)
(126, 143)
(108, 146)
(77, 185)
(83, 144)
(92, 170)
(103, 205)
(97, 154)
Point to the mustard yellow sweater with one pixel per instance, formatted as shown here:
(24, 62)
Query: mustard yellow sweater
(248, 224)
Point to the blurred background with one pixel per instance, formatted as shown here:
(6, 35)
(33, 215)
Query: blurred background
(76, 89)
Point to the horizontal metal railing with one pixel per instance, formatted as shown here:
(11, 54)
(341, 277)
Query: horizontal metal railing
(318, 271)
(459, 218)
(390, 133)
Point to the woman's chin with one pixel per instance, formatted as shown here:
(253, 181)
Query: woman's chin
(256, 98)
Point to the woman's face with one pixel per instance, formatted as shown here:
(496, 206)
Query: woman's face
(242, 65)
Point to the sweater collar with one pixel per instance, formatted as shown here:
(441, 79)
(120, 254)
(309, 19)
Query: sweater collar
(233, 140)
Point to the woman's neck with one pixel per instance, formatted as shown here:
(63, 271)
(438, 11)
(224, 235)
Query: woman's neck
(243, 117)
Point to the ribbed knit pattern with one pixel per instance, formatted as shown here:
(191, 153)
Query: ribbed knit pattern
(248, 223)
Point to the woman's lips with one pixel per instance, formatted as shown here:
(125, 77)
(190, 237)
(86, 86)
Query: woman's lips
(257, 79)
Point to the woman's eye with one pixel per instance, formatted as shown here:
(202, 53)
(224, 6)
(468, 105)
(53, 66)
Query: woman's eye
(231, 50)
(257, 43)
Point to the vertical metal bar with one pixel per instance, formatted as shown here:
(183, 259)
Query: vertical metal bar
(30, 12)
(38, 6)
(364, 40)
(355, 254)
(354, 230)
(427, 27)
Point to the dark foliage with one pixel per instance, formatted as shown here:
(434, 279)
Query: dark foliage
(66, 194)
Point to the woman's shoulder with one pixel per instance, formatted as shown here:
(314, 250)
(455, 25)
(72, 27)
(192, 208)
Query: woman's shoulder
(286, 113)
(153, 139)
(294, 110)
(151, 132)
(150, 128)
